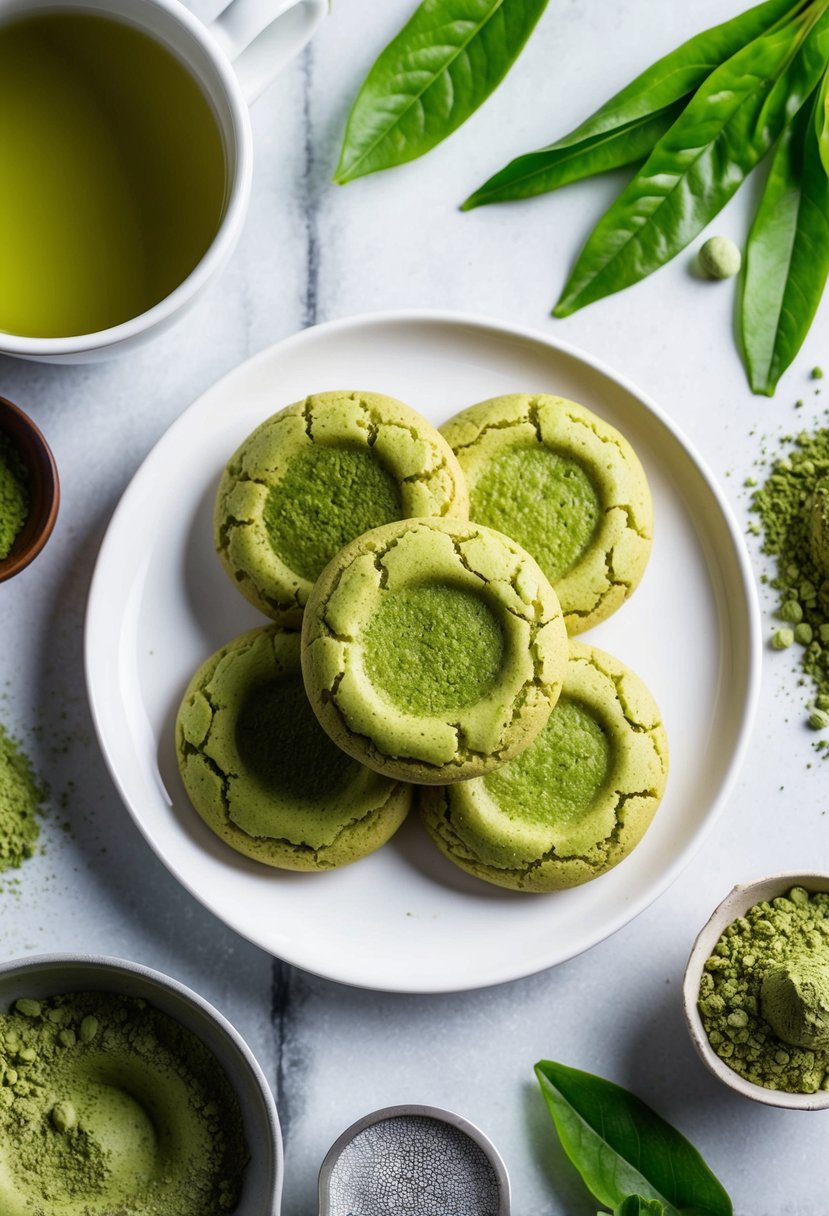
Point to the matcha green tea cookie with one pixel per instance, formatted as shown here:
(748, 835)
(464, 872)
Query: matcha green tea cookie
(566, 486)
(316, 475)
(263, 774)
(576, 801)
(433, 650)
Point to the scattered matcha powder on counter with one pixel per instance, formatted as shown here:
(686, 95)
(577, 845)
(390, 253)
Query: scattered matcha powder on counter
(793, 506)
(15, 498)
(764, 993)
(21, 799)
(108, 1105)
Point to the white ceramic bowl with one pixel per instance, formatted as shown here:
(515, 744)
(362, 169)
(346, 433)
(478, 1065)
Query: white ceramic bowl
(737, 904)
(50, 975)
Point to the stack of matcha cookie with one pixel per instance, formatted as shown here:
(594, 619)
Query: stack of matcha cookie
(422, 586)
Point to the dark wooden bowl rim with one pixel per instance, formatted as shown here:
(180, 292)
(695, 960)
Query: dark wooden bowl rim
(44, 486)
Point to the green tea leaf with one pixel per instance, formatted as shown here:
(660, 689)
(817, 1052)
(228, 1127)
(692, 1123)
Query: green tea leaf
(822, 123)
(727, 127)
(559, 164)
(787, 255)
(626, 128)
(635, 1205)
(441, 66)
(623, 1149)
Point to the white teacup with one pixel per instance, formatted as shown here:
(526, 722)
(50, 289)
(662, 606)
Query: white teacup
(233, 59)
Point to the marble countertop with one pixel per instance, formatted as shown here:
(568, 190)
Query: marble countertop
(311, 252)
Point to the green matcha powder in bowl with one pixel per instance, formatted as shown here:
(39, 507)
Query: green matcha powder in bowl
(29, 490)
(756, 991)
(123, 1091)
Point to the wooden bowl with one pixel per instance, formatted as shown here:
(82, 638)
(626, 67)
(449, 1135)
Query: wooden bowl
(44, 488)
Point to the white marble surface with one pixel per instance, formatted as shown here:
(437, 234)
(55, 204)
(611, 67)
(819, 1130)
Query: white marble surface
(310, 252)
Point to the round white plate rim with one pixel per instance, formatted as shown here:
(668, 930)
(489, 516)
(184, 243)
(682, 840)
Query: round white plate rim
(511, 969)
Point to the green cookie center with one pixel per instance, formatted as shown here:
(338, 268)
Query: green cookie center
(559, 775)
(283, 747)
(544, 501)
(433, 649)
(328, 496)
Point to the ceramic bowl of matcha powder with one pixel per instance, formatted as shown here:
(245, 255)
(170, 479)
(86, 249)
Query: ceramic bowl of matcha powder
(123, 1091)
(756, 991)
(29, 490)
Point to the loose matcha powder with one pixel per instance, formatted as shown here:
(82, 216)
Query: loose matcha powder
(14, 493)
(21, 796)
(764, 994)
(108, 1105)
(793, 506)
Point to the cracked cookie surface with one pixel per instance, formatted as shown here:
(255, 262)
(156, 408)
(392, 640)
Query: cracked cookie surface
(576, 802)
(263, 774)
(316, 475)
(568, 487)
(433, 650)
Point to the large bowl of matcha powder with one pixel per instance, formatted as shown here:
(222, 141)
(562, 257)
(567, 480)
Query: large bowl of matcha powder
(123, 1091)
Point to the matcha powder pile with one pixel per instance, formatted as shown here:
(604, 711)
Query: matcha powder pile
(108, 1107)
(793, 506)
(764, 993)
(14, 494)
(21, 796)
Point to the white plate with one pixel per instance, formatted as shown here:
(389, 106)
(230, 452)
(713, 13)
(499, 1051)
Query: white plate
(405, 919)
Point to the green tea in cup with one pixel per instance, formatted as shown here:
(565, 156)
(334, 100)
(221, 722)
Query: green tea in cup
(115, 173)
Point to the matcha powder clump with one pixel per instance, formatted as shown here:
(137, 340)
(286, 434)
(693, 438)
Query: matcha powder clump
(793, 506)
(21, 796)
(764, 993)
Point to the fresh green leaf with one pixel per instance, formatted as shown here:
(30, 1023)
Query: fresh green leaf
(635, 1205)
(559, 164)
(622, 1148)
(441, 66)
(727, 127)
(626, 128)
(787, 255)
(822, 122)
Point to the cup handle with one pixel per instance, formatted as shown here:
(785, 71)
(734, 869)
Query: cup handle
(261, 36)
